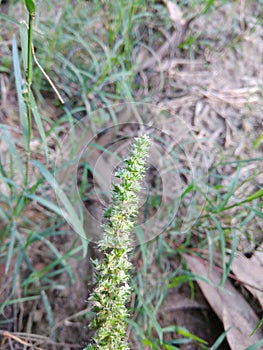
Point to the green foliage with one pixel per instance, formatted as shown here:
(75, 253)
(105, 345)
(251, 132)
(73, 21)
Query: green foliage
(30, 5)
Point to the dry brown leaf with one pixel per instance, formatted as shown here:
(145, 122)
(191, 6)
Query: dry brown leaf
(233, 310)
(251, 273)
(257, 257)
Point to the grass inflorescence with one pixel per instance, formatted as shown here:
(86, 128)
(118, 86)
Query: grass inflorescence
(112, 290)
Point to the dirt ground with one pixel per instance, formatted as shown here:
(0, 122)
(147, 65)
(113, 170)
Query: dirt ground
(218, 94)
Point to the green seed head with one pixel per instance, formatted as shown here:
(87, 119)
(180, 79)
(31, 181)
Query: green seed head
(112, 274)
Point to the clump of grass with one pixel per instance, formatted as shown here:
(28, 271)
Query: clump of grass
(112, 273)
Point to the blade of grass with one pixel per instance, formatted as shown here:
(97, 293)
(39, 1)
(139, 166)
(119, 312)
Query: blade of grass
(257, 212)
(9, 19)
(16, 272)
(44, 202)
(256, 195)
(219, 340)
(21, 102)
(16, 301)
(49, 314)
(59, 256)
(23, 29)
(39, 123)
(260, 323)
(12, 236)
(184, 332)
(256, 346)
(68, 212)
(222, 247)
(230, 191)
(12, 150)
(257, 142)
(151, 316)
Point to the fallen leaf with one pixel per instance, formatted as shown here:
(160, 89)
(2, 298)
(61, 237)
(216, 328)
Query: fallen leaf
(251, 273)
(238, 318)
(257, 257)
(175, 13)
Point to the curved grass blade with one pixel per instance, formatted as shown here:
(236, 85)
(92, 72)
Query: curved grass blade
(21, 102)
(68, 211)
(150, 314)
(49, 314)
(23, 29)
(13, 234)
(38, 122)
(12, 150)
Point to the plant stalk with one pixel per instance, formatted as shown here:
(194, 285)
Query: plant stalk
(27, 93)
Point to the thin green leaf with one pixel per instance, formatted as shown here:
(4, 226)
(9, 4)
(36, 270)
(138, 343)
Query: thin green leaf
(258, 141)
(37, 275)
(23, 29)
(21, 102)
(223, 248)
(154, 322)
(16, 271)
(10, 246)
(58, 256)
(233, 251)
(257, 212)
(147, 342)
(30, 5)
(68, 212)
(46, 203)
(230, 191)
(259, 345)
(38, 121)
(188, 189)
(12, 149)
(9, 19)
(219, 340)
(260, 323)
(254, 196)
(187, 334)
(170, 347)
(49, 314)
(16, 301)
(250, 198)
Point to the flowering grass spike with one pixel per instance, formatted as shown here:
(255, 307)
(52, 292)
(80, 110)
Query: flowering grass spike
(112, 273)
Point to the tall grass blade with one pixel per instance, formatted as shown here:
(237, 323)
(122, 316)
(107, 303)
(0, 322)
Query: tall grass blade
(38, 122)
(11, 246)
(21, 102)
(13, 151)
(68, 212)
(49, 314)
(222, 247)
(59, 256)
(151, 316)
(23, 29)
